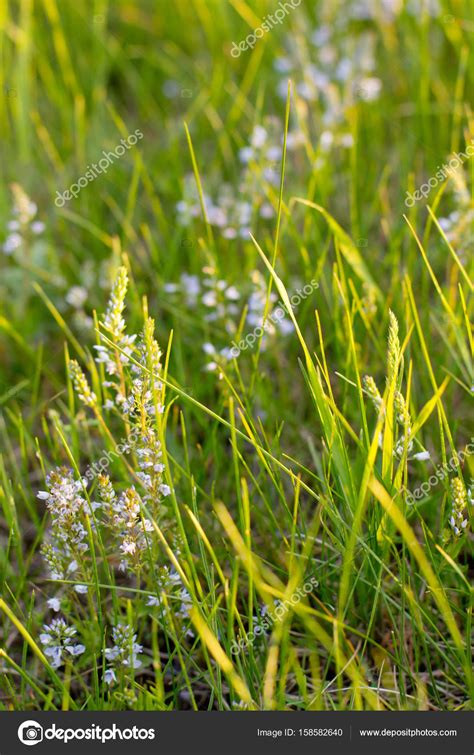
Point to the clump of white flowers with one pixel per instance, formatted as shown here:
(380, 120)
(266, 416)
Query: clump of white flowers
(23, 225)
(332, 75)
(233, 209)
(68, 509)
(118, 524)
(58, 639)
(124, 653)
(222, 304)
(124, 518)
(134, 367)
(169, 583)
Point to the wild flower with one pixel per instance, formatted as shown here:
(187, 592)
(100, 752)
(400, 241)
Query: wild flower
(58, 638)
(149, 456)
(145, 404)
(68, 509)
(232, 208)
(189, 285)
(388, 10)
(85, 394)
(334, 75)
(54, 558)
(140, 397)
(68, 537)
(459, 499)
(114, 324)
(218, 357)
(146, 384)
(108, 497)
(110, 676)
(220, 299)
(77, 296)
(22, 226)
(169, 582)
(217, 297)
(186, 603)
(123, 516)
(124, 652)
(153, 601)
(114, 321)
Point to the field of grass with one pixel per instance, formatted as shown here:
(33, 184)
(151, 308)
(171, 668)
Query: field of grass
(236, 375)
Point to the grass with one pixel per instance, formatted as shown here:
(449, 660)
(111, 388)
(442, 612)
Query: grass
(282, 505)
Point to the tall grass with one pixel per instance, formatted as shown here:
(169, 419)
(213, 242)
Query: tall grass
(230, 484)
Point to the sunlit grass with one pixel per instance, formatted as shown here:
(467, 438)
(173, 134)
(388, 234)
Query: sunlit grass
(280, 465)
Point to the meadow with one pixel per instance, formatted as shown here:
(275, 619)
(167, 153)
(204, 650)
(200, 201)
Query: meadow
(236, 355)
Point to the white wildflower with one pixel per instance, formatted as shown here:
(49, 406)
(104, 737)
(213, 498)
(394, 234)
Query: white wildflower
(57, 637)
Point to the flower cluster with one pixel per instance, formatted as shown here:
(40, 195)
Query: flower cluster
(123, 516)
(124, 653)
(114, 324)
(388, 10)
(81, 386)
(119, 520)
(222, 303)
(68, 510)
(169, 583)
(331, 77)
(57, 638)
(232, 211)
(138, 392)
(22, 225)
(216, 296)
